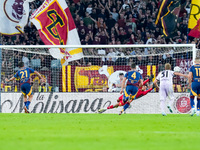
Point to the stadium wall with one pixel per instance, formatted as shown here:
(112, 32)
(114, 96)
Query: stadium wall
(88, 103)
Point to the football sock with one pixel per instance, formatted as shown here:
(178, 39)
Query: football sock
(171, 102)
(27, 104)
(162, 106)
(192, 101)
(126, 106)
(110, 107)
(198, 104)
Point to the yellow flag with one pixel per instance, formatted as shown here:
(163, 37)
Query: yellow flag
(194, 14)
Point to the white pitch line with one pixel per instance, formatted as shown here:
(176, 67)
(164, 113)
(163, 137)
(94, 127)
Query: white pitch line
(168, 132)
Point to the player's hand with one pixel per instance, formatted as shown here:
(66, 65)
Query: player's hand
(43, 80)
(7, 80)
(121, 91)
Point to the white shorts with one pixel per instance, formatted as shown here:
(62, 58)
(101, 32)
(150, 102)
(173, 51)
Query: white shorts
(165, 91)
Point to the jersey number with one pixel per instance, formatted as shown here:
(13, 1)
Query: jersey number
(197, 71)
(134, 75)
(164, 75)
(26, 74)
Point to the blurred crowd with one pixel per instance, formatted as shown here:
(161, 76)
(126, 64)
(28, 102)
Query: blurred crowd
(113, 22)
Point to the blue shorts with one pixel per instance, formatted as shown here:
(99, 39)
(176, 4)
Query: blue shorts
(195, 89)
(26, 89)
(130, 89)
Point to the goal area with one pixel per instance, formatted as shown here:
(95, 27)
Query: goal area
(95, 77)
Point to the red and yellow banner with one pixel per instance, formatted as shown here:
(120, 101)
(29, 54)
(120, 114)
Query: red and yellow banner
(194, 13)
(56, 27)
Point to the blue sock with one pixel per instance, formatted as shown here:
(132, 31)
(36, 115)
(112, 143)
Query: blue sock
(198, 104)
(126, 106)
(192, 101)
(27, 104)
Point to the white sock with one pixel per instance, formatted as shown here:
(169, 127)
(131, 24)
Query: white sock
(162, 106)
(171, 102)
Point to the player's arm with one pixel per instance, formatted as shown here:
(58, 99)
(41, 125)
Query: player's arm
(123, 85)
(11, 79)
(145, 82)
(39, 75)
(190, 78)
(180, 74)
(145, 92)
(140, 83)
(155, 82)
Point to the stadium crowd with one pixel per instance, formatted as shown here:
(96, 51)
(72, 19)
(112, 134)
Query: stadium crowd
(112, 22)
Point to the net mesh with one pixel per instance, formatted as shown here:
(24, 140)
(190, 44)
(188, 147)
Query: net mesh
(97, 71)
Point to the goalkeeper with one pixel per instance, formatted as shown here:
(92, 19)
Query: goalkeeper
(141, 92)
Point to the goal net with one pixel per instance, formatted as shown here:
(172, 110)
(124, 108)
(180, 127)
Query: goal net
(98, 72)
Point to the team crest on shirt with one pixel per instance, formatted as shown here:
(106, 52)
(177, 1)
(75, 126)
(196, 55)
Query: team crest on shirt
(182, 104)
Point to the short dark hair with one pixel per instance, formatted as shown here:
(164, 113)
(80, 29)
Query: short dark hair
(133, 66)
(21, 64)
(121, 74)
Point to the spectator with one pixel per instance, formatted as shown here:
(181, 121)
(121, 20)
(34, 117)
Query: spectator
(119, 82)
(87, 20)
(115, 15)
(25, 60)
(110, 22)
(111, 56)
(89, 8)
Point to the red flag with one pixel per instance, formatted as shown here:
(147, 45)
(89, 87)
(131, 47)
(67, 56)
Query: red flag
(56, 27)
(195, 32)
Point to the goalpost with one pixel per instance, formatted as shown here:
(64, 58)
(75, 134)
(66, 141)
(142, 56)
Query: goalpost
(97, 72)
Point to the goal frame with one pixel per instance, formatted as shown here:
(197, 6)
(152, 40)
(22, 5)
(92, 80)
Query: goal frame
(193, 47)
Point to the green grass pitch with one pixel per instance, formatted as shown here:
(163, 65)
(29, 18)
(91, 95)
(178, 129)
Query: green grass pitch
(99, 132)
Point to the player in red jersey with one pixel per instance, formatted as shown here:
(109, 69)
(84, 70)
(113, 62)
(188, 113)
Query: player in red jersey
(141, 92)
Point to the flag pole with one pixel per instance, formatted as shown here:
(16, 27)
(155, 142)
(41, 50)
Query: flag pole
(1, 41)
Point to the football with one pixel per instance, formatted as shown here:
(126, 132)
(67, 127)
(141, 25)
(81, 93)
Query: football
(177, 69)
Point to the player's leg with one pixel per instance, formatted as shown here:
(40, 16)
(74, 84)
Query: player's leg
(23, 90)
(25, 99)
(111, 106)
(163, 96)
(129, 94)
(193, 93)
(198, 100)
(198, 106)
(171, 99)
(30, 96)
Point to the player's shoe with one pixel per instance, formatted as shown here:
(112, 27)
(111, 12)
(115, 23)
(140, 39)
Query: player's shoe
(171, 111)
(26, 110)
(164, 114)
(101, 110)
(193, 112)
(121, 112)
(197, 113)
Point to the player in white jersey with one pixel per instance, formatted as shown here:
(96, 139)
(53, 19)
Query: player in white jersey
(166, 87)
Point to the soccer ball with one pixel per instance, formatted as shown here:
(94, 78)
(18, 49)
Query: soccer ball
(177, 69)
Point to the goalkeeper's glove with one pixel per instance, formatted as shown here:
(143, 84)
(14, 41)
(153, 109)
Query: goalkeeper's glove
(151, 78)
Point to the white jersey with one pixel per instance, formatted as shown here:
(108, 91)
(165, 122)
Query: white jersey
(166, 86)
(166, 77)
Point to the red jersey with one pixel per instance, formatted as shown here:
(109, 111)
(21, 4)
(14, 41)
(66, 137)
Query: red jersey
(140, 92)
